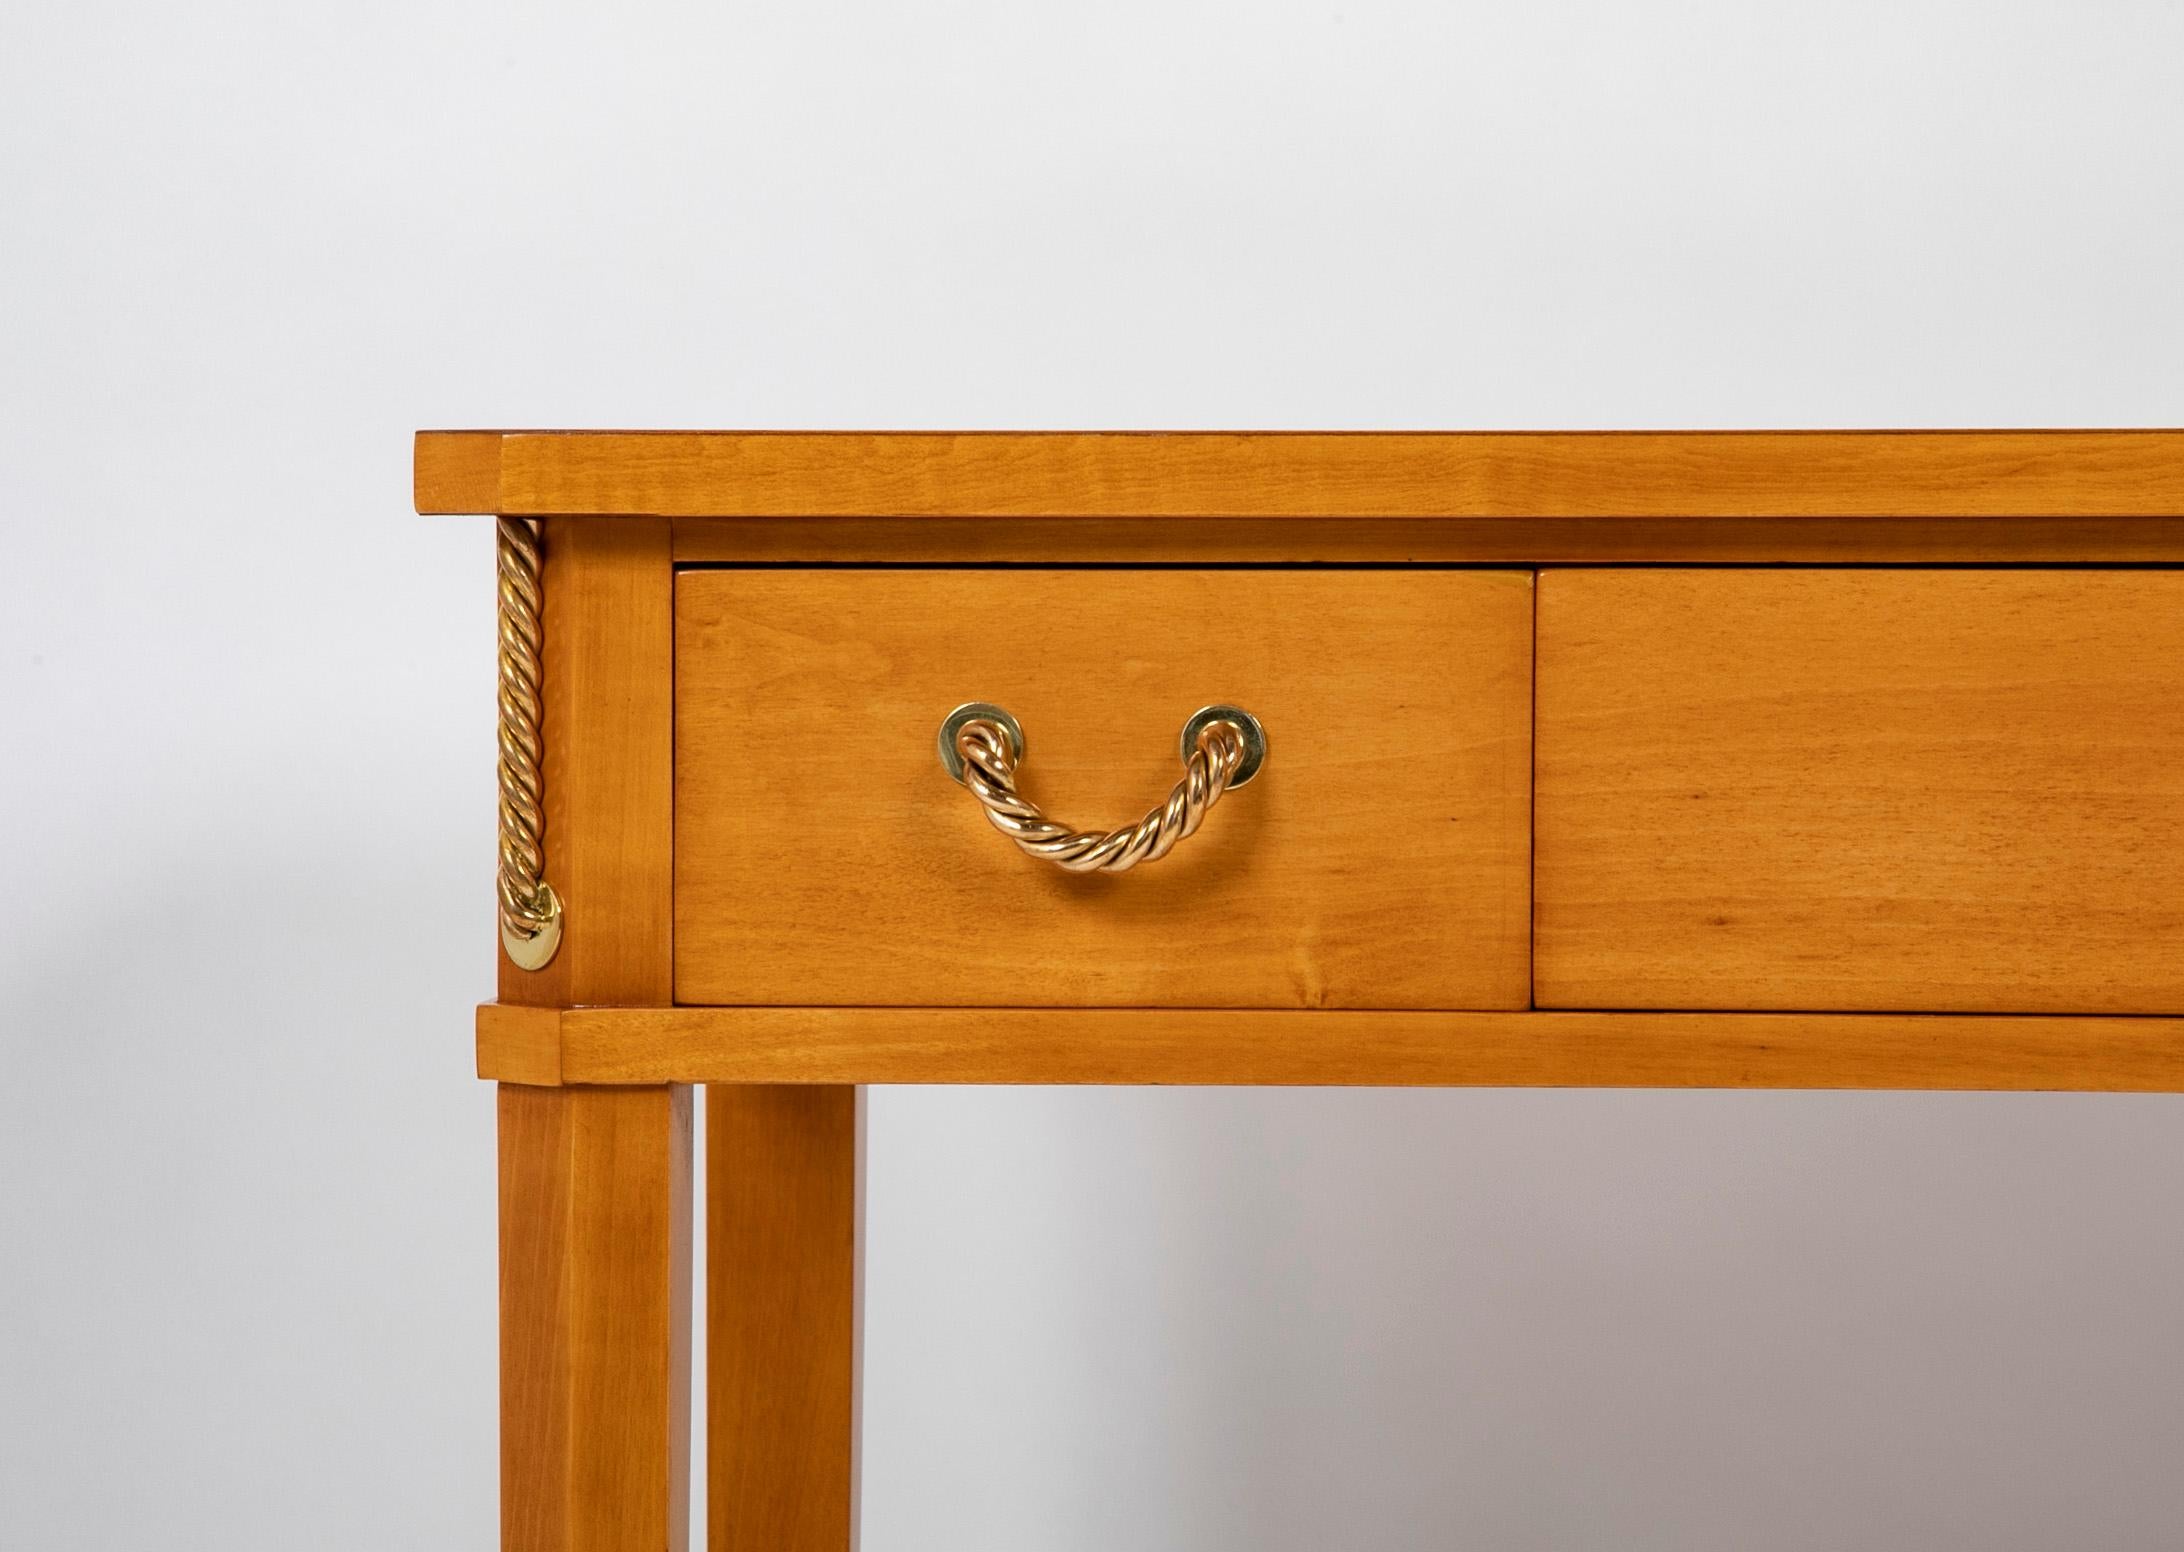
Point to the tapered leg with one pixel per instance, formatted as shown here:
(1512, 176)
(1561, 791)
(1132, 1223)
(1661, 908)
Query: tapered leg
(595, 1319)
(781, 1275)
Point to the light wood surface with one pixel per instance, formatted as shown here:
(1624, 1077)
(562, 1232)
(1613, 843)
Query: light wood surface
(450, 471)
(1273, 1046)
(609, 769)
(520, 1044)
(595, 1184)
(1305, 474)
(1758, 789)
(781, 1205)
(1410, 541)
(1381, 859)
(595, 1318)
(1942, 790)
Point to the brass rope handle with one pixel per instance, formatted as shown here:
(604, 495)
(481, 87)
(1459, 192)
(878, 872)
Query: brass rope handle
(981, 746)
(530, 912)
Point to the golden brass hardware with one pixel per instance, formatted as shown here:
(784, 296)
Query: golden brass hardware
(981, 745)
(530, 911)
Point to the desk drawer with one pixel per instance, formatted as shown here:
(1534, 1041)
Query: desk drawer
(1381, 859)
(1861, 790)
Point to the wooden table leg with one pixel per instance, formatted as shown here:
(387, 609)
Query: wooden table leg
(781, 1301)
(595, 1319)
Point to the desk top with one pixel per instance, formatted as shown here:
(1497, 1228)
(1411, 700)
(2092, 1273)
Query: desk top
(1199, 475)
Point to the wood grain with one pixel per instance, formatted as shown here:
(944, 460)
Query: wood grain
(451, 470)
(781, 1259)
(595, 1183)
(1319, 474)
(1275, 1046)
(1382, 859)
(1411, 541)
(1861, 790)
(595, 1319)
(520, 1044)
(609, 770)
(1331, 474)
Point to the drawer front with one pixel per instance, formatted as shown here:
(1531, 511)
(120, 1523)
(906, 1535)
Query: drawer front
(1381, 858)
(1861, 790)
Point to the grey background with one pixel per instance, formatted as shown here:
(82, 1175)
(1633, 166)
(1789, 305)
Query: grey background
(246, 1251)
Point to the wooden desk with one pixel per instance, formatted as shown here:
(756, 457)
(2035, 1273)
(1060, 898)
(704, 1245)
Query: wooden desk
(1817, 760)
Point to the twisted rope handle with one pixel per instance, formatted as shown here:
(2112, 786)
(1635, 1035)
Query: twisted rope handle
(530, 912)
(1223, 747)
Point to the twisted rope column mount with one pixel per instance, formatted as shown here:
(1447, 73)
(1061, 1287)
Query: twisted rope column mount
(1222, 747)
(530, 911)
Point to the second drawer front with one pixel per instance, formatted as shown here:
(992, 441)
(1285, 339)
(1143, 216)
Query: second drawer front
(1380, 860)
(1861, 790)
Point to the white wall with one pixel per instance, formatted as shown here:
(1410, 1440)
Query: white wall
(246, 1263)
